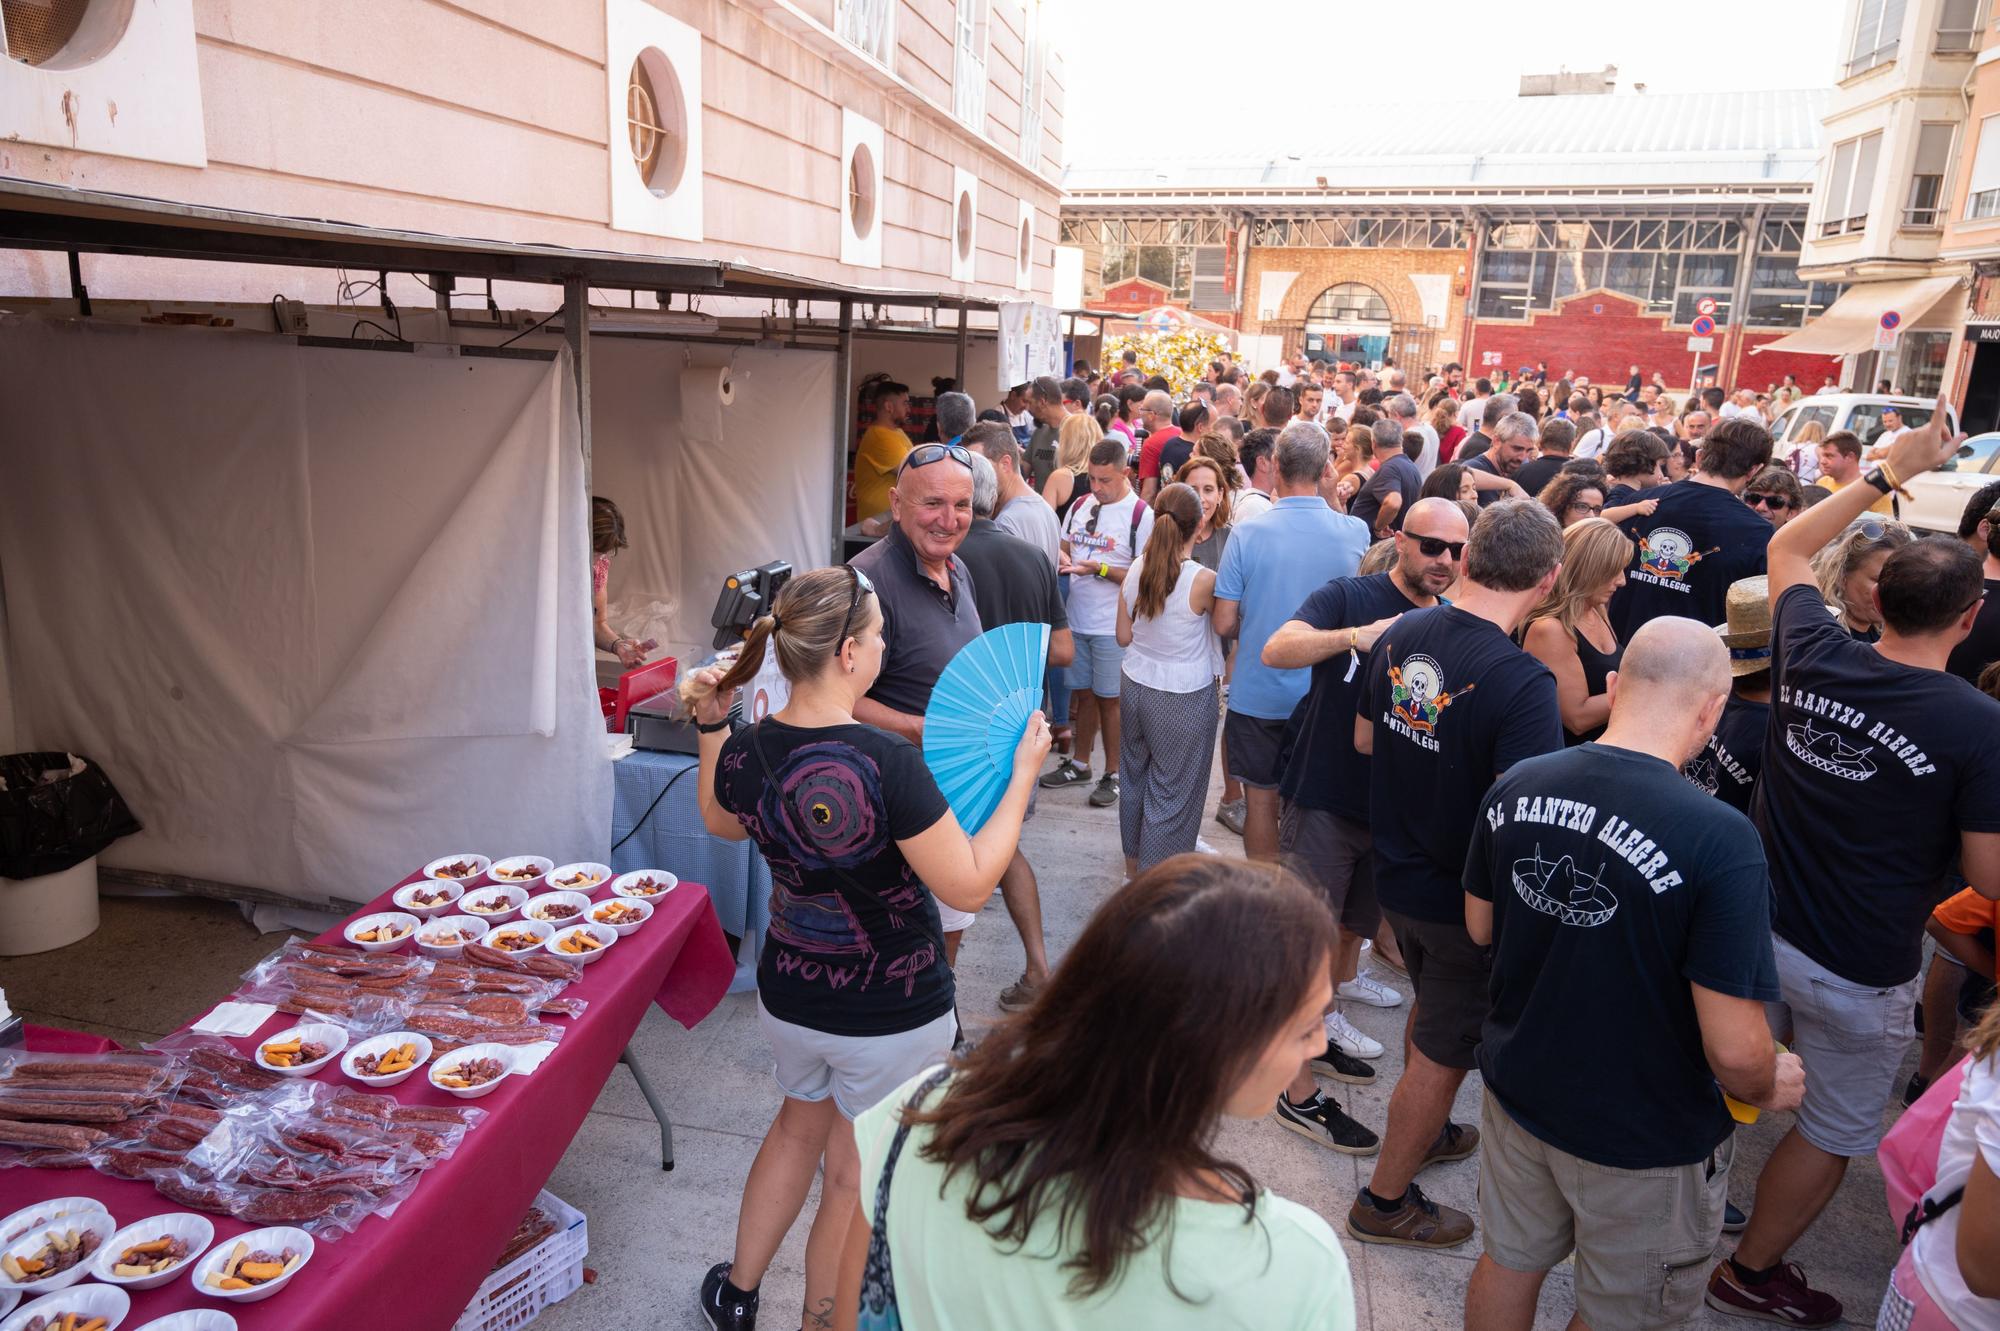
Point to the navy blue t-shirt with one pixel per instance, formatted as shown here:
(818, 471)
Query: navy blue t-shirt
(1692, 546)
(1872, 768)
(1614, 885)
(1454, 702)
(1325, 771)
(1728, 764)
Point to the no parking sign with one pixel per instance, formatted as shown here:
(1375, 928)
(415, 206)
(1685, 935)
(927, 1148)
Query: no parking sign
(1885, 330)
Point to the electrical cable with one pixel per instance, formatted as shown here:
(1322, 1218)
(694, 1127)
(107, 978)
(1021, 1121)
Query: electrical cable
(695, 766)
(530, 328)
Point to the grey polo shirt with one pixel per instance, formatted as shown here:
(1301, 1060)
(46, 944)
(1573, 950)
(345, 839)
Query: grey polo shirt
(923, 625)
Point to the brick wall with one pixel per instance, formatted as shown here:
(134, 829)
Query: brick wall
(1602, 334)
(1386, 271)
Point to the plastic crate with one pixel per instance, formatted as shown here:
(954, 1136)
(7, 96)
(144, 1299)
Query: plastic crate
(547, 1273)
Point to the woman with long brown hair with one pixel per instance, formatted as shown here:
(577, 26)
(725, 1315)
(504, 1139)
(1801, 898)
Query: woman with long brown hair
(1212, 479)
(1168, 692)
(1065, 1173)
(853, 990)
(607, 538)
(1569, 631)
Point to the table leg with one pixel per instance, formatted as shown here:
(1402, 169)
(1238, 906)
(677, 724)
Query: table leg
(653, 1103)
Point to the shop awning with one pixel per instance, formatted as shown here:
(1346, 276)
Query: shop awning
(1849, 324)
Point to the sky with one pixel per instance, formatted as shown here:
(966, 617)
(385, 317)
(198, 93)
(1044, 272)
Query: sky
(1267, 75)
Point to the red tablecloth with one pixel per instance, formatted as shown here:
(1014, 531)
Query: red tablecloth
(56, 1040)
(419, 1268)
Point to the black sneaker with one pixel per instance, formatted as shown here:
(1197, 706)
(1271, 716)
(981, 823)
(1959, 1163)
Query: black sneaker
(1322, 1120)
(1341, 1067)
(1106, 793)
(1068, 772)
(1733, 1219)
(726, 1307)
(1915, 1087)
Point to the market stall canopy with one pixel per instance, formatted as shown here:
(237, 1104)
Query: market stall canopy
(1849, 324)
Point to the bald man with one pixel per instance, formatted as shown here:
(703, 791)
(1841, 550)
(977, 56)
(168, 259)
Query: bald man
(1156, 415)
(1628, 915)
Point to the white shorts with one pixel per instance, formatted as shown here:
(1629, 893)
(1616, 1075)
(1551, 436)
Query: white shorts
(858, 1071)
(953, 921)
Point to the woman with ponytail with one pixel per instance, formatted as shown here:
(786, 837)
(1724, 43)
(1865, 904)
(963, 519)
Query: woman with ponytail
(853, 990)
(1168, 695)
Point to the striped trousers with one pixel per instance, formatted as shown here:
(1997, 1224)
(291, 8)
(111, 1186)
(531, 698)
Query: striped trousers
(1164, 751)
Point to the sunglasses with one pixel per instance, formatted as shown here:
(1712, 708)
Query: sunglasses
(925, 454)
(1433, 546)
(1773, 502)
(861, 584)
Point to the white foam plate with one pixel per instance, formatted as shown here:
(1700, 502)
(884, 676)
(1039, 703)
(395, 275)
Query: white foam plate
(382, 1044)
(404, 923)
(96, 1222)
(594, 876)
(624, 885)
(640, 904)
(318, 1032)
(603, 933)
(540, 863)
(275, 1239)
(482, 863)
(196, 1231)
(541, 929)
(516, 896)
(451, 951)
(404, 897)
(503, 1052)
(107, 1301)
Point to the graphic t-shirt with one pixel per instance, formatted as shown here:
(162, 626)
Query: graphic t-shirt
(854, 946)
(1454, 702)
(1981, 647)
(1103, 534)
(1613, 886)
(1871, 769)
(1728, 764)
(1692, 546)
(1269, 568)
(1325, 771)
(1397, 474)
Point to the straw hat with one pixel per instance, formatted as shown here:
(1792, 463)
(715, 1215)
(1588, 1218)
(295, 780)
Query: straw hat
(1747, 633)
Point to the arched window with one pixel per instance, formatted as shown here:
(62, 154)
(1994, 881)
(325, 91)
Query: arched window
(1348, 303)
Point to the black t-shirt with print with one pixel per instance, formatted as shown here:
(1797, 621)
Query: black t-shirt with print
(1871, 770)
(1692, 546)
(1454, 701)
(1728, 764)
(854, 946)
(1614, 885)
(1981, 647)
(1324, 770)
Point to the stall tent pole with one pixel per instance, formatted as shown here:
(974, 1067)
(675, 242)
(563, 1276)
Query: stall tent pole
(843, 425)
(576, 330)
(961, 350)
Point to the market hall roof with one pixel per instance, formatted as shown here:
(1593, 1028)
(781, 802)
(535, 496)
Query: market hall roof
(1579, 144)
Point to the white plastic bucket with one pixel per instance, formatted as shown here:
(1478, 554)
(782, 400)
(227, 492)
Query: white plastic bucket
(52, 911)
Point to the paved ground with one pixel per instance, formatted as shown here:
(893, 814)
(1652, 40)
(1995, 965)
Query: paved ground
(157, 963)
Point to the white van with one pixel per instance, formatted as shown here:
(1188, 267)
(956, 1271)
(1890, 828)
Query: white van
(1858, 412)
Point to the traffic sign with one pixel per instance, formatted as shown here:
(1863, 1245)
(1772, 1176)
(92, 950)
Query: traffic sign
(1704, 323)
(1706, 305)
(1890, 321)
(1701, 343)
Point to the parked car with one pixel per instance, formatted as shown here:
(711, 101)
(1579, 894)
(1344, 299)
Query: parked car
(1858, 412)
(1937, 498)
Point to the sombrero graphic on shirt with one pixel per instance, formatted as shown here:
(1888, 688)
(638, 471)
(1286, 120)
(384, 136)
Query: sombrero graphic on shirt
(1826, 750)
(1668, 552)
(1558, 889)
(1701, 770)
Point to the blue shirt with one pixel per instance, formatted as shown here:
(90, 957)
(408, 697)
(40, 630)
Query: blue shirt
(1273, 563)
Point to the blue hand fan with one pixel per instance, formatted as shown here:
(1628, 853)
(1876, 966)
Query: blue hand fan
(978, 713)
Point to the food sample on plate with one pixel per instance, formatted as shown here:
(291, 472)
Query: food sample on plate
(387, 1063)
(579, 943)
(518, 872)
(65, 1322)
(293, 1053)
(150, 1258)
(60, 1251)
(247, 1270)
(513, 940)
(618, 912)
(557, 910)
(645, 887)
(472, 1072)
(446, 937)
(488, 905)
(580, 879)
(383, 933)
(456, 869)
(424, 896)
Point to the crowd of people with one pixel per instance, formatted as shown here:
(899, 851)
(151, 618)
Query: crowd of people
(1564, 720)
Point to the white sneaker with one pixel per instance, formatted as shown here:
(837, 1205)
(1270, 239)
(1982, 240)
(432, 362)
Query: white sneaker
(1365, 988)
(1202, 847)
(1348, 1040)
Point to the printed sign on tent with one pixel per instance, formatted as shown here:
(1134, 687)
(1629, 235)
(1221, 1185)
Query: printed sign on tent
(1030, 343)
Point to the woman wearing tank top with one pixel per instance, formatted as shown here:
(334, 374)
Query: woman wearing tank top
(1569, 631)
(1167, 696)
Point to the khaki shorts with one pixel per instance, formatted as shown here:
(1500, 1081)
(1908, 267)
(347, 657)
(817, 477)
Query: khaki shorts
(1644, 1238)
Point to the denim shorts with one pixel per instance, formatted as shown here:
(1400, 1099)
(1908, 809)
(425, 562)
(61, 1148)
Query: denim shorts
(858, 1071)
(1851, 1038)
(1099, 664)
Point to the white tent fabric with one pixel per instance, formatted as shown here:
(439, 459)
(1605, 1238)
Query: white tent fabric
(321, 614)
(1848, 326)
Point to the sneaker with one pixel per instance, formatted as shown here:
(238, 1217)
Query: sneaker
(726, 1307)
(1914, 1088)
(1340, 1033)
(1418, 1223)
(1322, 1120)
(1341, 1067)
(1106, 793)
(1785, 1297)
(1201, 847)
(1065, 773)
(1020, 994)
(1454, 1142)
(1232, 814)
(1365, 988)
(1734, 1221)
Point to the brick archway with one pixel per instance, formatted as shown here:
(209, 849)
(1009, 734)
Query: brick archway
(1405, 309)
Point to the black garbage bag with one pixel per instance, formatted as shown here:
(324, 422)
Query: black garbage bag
(56, 810)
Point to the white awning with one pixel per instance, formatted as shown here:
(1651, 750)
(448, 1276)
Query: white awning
(1849, 324)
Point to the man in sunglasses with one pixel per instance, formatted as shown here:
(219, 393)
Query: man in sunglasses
(1323, 830)
(1882, 727)
(1775, 496)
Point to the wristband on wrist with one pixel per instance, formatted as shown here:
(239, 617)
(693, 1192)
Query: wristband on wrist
(1104, 570)
(711, 727)
(1882, 479)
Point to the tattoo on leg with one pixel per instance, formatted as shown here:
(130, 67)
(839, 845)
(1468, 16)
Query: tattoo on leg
(820, 1318)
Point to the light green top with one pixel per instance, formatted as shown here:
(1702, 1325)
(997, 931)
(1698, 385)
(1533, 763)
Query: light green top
(1279, 1270)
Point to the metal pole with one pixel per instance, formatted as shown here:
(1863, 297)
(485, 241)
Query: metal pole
(961, 349)
(576, 331)
(1739, 300)
(843, 423)
(76, 287)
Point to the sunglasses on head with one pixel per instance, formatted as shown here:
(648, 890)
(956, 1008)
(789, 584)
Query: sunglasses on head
(861, 584)
(1433, 546)
(1770, 501)
(925, 454)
